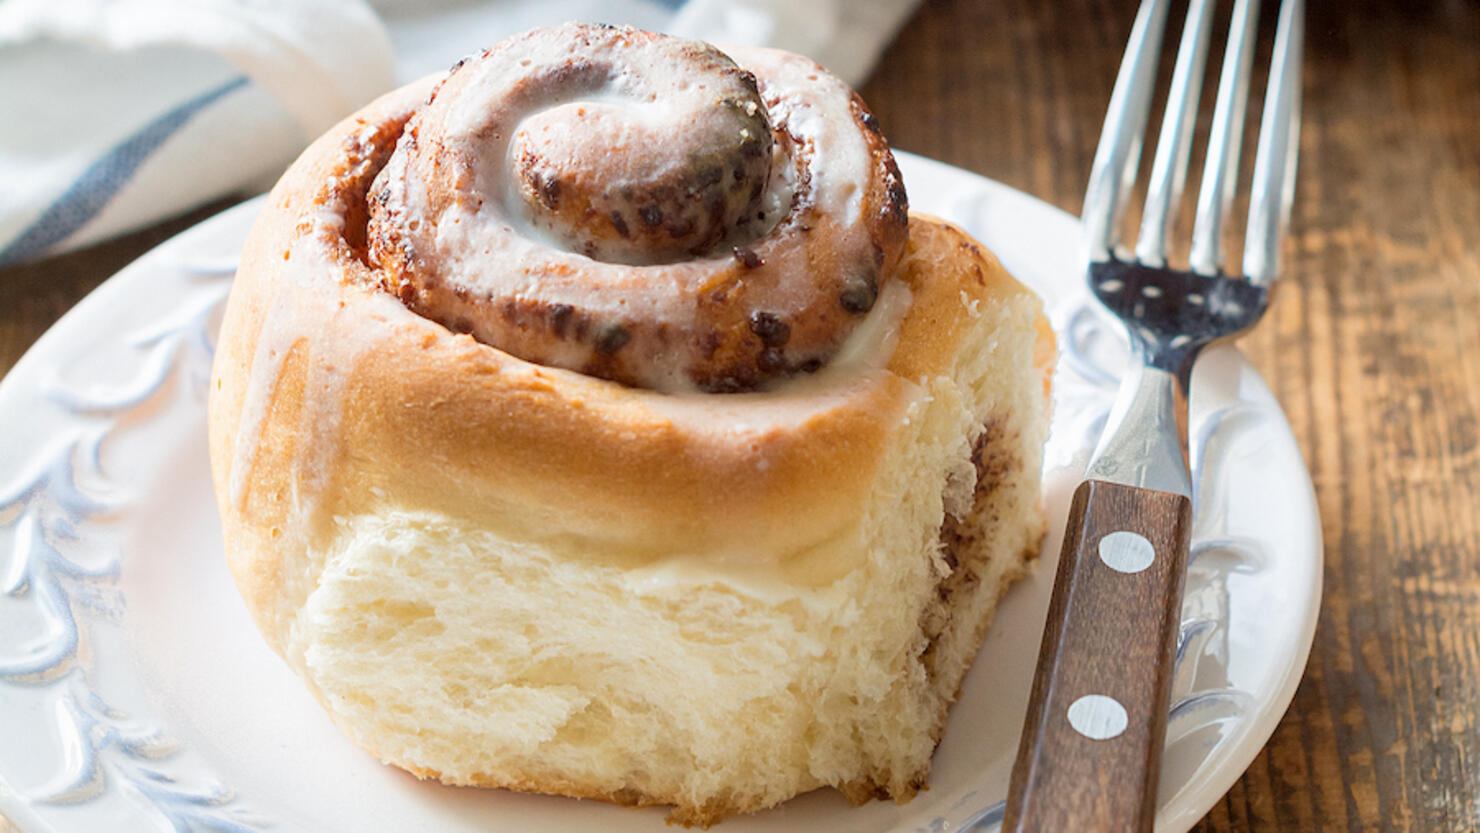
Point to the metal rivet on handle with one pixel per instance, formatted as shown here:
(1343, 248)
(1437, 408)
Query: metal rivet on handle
(1097, 717)
(1126, 552)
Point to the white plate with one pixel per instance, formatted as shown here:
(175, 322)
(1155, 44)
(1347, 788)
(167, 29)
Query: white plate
(136, 695)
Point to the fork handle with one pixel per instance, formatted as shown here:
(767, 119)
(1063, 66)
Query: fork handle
(1091, 747)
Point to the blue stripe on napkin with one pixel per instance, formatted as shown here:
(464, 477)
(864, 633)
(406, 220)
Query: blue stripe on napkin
(102, 180)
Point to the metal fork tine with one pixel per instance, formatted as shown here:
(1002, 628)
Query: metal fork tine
(1279, 142)
(1119, 151)
(1169, 169)
(1220, 170)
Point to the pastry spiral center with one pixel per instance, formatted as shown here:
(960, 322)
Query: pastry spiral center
(637, 182)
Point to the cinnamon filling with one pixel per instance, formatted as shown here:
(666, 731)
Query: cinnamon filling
(961, 539)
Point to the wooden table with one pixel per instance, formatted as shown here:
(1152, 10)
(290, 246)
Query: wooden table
(1373, 348)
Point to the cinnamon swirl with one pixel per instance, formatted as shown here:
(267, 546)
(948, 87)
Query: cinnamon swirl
(595, 420)
(657, 215)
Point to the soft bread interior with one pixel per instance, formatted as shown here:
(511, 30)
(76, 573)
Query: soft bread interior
(528, 661)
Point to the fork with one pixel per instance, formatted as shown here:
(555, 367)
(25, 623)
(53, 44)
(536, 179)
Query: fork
(1090, 754)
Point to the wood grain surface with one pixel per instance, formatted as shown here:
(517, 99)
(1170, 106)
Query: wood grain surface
(1372, 347)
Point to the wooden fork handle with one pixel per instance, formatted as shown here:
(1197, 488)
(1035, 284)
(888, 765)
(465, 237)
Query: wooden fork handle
(1091, 747)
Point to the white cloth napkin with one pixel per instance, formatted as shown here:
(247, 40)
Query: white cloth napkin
(119, 113)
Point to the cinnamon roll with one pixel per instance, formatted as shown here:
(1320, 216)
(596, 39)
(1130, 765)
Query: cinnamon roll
(595, 420)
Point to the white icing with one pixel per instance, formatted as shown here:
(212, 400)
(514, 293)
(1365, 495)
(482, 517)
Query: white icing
(294, 319)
